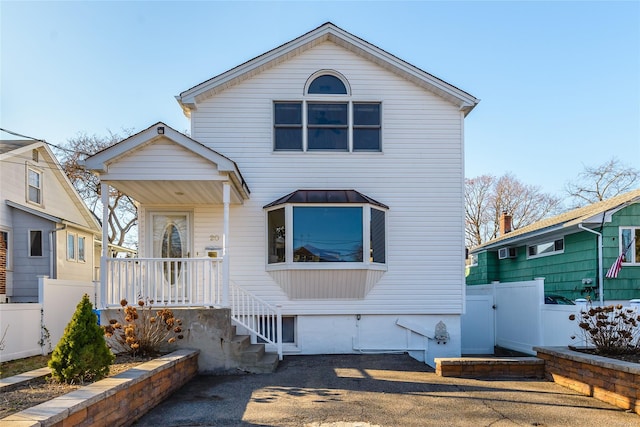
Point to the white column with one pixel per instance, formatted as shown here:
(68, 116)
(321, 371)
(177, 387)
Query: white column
(104, 189)
(226, 197)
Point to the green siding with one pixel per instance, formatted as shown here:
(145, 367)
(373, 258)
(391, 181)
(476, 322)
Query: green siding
(627, 284)
(563, 273)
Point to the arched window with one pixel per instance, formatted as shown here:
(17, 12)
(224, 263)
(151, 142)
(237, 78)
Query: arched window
(327, 119)
(327, 84)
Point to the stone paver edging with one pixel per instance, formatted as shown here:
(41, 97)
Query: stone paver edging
(117, 400)
(613, 381)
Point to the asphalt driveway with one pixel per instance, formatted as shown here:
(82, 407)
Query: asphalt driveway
(376, 390)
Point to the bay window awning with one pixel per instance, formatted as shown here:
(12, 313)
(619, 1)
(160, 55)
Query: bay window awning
(325, 196)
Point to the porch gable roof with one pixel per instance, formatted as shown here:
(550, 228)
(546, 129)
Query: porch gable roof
(101, 162)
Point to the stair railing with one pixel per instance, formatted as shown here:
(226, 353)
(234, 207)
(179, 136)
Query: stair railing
(257, 316)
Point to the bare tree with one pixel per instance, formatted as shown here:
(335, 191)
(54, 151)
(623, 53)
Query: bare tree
(478, 219)
(597, 183)
(123, 215)
(486, 197)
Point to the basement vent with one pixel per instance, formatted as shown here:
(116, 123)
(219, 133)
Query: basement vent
(504, 253)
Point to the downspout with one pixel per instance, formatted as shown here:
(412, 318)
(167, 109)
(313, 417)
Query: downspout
(599, 271)
(52, 250)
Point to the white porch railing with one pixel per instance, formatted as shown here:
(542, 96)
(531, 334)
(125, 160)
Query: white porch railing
(171, 281)
(189, 282)
(256, 315)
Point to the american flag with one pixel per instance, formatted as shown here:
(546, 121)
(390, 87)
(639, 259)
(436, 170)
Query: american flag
(617, 265)
(615, 268)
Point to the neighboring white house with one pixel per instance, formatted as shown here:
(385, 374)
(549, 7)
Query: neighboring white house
(45, 227)
(326, 177)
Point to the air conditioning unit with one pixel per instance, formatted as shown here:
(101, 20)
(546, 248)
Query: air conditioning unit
(504, 253)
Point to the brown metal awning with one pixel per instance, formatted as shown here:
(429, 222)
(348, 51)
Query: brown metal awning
(325, 196)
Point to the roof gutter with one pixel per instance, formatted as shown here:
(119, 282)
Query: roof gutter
(599, 271)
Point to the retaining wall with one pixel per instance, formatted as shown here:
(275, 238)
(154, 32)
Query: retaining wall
(115, 401)
(609, 380)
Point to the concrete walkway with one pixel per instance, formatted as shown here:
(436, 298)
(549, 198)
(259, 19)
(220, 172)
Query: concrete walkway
(376, 390)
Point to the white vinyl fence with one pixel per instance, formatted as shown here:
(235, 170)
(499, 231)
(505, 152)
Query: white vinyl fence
(513, 316)
(35, 328)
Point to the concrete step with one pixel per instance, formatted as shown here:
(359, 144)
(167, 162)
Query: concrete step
(266, 365)
(240, 343)
(252, 353)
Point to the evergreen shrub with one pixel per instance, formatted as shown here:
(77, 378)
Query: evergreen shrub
(82, 353)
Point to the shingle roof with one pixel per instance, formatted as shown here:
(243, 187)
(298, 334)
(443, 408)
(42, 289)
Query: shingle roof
(326, 32)
(565, 220)
(7, 145)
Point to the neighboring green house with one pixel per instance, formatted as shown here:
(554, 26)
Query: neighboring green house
(572, 252)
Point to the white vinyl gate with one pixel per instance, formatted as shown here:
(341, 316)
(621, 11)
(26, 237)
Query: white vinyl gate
(478, 328)
(513, 316)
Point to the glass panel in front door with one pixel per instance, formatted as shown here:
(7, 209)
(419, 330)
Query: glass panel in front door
(171, 240)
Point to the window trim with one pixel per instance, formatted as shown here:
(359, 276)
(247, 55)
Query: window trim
(28, 185)
(554, 252)
(631, 254)
(327, 72)
(72, 237)
(29, 246)
(290, 264)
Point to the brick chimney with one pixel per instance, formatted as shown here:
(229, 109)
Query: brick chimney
(505, 223)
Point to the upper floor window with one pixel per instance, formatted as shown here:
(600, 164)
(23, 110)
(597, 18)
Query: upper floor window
(71, 246)
(546, 248)
(630, 242)
(34, 186)
(327, 83)
(327, 126)
(327, 120)
(81, 248)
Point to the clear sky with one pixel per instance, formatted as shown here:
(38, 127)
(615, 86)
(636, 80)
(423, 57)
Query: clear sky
(559, 82)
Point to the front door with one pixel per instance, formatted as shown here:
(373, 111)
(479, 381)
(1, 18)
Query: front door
(170, 239)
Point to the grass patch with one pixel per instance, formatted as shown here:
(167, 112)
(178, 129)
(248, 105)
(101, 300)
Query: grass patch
(18, 366)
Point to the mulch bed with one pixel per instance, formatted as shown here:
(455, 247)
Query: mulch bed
(42, 389)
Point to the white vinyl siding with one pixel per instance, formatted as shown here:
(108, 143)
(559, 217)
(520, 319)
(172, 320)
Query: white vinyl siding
(419, 175)
(176, 163)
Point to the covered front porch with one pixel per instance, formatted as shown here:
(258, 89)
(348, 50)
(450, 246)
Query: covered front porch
(183, 191)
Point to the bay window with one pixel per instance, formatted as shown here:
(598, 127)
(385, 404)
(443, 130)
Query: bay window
(326, 232)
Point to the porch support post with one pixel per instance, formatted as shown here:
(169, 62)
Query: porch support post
(104, 192)
(226, 198)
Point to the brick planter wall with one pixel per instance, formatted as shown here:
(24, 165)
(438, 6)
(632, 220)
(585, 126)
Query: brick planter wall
(493, 367)
(609, 380)
(117, 400)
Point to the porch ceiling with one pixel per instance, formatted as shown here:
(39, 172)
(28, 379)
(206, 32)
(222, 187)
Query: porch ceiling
(174, 192)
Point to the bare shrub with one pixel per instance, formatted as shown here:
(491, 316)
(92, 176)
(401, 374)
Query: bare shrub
(611, 330)
(142, 330)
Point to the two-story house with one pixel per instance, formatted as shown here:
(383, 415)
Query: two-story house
(325, 178)
(45, 227)
(573, 252)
